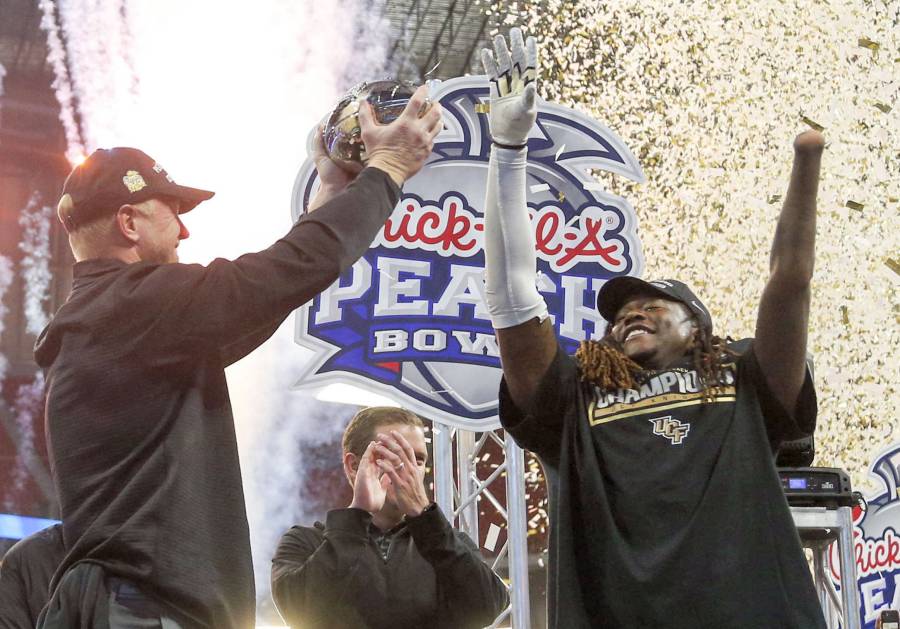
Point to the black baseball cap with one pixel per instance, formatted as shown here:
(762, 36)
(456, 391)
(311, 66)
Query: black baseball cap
(617, 291)
(111, 178)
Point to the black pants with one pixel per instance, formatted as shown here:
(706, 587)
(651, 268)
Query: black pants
(129, 608)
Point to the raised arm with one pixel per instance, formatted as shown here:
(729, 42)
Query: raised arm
(470, 594)
(781, 325)
(311, 576)
(518, 312)
(231, 304)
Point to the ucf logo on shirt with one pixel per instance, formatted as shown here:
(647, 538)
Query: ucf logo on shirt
(671, 429)
(664, 391)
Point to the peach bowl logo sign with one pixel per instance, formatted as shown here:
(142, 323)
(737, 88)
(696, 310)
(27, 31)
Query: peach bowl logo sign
(408, 320)
(876, 537)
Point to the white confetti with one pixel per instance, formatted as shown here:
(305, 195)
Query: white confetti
(490, 541)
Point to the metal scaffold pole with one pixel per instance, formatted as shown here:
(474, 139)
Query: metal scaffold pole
(442, 453)
(518, 535)
(458, 490)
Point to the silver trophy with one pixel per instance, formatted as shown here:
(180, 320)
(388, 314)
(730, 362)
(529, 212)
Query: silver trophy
(343, 140)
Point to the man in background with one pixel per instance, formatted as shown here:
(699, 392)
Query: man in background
(25, 573)
(390, 559)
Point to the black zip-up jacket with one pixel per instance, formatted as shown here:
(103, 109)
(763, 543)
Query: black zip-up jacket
(25, 574)
(139, 423)
(422, 574)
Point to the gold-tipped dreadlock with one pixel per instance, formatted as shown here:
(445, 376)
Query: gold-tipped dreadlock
(604, 364)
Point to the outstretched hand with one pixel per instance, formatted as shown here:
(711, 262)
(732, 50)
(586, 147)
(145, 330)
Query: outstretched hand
(332, 178)
(809, 142)
(401, 147)
(513, 77)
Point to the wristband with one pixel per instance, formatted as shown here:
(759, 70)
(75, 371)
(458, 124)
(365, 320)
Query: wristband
(513, 147)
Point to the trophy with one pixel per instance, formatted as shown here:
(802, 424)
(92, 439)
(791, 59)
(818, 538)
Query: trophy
(343, 139)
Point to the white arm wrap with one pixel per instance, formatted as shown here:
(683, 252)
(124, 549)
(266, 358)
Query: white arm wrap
(509, 253)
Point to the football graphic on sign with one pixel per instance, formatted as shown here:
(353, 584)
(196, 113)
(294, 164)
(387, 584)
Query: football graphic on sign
(408, 321)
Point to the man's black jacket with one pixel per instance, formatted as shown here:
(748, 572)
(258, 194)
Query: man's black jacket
(139, 423)
(25, 575)
(424, 575)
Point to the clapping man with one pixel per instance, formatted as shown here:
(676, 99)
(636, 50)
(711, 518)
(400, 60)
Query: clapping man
(390, 560)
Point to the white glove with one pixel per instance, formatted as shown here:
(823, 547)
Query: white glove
(513, 88)
(510, 261)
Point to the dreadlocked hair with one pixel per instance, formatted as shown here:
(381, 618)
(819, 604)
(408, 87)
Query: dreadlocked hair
(708, 357)
(604, 364)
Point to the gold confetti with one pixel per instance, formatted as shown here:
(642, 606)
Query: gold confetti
(815, 125)
(561, 196)
(893, 265)
(883, 107)
(845, 315)
(853, 205)
(722, 140)
(483, 108)
(868, 43)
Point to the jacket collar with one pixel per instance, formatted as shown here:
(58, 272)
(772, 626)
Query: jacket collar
(87, 271)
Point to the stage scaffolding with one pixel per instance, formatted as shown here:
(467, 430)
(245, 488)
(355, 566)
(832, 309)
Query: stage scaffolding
(458, 489)
(436, 39)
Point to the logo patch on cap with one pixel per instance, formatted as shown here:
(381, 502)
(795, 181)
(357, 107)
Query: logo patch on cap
(157, 168)
(133, 181)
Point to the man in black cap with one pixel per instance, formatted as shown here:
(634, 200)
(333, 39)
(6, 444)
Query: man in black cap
(657, 441)
(139, 423)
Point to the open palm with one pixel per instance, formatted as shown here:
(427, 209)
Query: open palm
(370, 487)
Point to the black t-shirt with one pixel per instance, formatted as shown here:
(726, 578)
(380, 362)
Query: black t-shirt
(139, 423)
(25, 575)
(667, 511)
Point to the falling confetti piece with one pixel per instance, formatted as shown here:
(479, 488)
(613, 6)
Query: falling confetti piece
(561, 196)
(853, 205)
(560, 151)
(845, 315)
(539, 187)
(490, 541)
(775, 198)
(811, 123)
(483, 108)
(865, 42)
(883, 107)
(893, 265)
